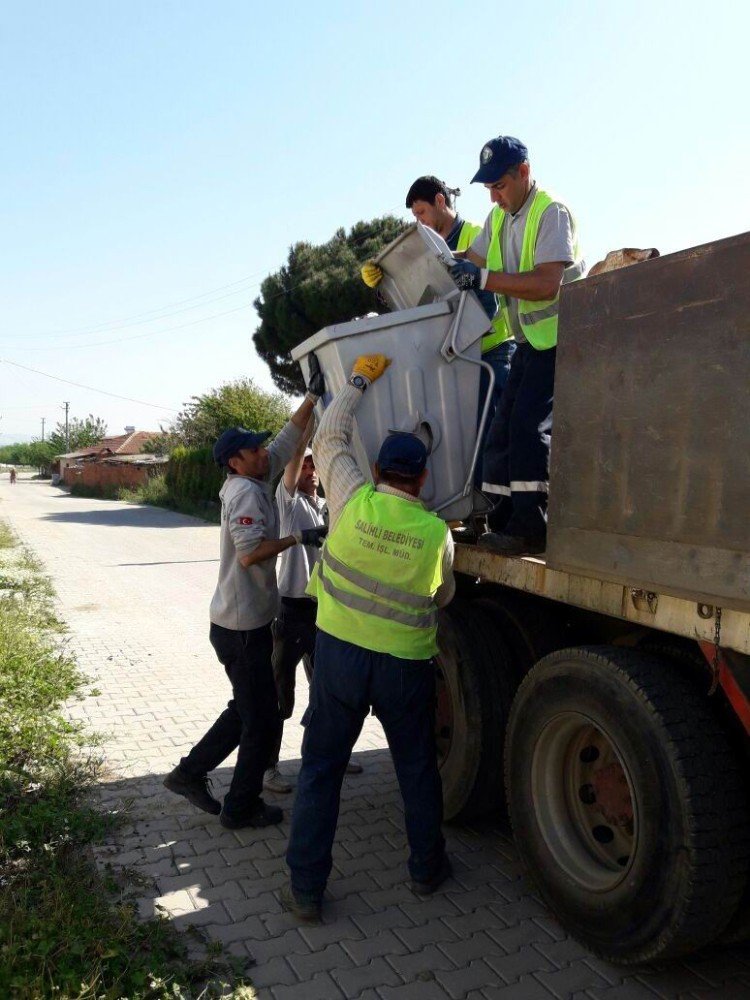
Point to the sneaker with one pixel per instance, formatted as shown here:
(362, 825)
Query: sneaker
(274, 781)
(512, 545)
(353, 768)
(195, 790)
(261, 815)
(427, 888)
(304, 906)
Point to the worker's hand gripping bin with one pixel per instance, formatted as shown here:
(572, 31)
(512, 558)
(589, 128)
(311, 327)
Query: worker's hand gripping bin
(432, 387)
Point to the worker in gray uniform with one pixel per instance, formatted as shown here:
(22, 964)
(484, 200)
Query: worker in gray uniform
(300, 508)
(244, 605)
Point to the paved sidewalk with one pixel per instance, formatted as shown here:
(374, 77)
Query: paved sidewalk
(134, 585)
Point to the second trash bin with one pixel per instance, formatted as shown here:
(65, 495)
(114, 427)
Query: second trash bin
(433, 338)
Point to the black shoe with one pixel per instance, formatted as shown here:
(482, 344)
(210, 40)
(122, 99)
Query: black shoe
(427, 888)
(304, 906)
(512, 545)
(195, 790)
(260, 815)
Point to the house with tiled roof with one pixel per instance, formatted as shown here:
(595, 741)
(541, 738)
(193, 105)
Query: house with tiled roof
(93, 466)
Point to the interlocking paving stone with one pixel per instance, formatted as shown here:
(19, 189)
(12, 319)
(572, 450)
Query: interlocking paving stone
(134, 585)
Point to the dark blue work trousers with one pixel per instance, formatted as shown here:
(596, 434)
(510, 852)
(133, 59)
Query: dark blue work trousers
(516, 453)
(347, 681)
(499, 358)
(250, 721)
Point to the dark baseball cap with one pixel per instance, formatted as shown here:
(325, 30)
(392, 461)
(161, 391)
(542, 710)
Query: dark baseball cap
(402, 453)
(233, 439)
(497, 157)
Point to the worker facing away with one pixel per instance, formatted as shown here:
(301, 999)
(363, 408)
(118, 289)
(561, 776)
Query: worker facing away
(244, 605)
(300, 507)
(527, 249)
(432, 203)
(384, 572)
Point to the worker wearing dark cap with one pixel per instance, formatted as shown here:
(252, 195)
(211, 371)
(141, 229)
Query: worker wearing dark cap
(385, 570)
(526, 251)
(244, 605)
(432, 203)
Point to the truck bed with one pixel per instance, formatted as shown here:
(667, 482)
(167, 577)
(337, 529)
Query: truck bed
(677, 615)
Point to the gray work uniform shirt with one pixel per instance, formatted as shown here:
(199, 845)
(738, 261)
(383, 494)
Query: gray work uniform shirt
(554, 243)
(297, 511)
(246, 599)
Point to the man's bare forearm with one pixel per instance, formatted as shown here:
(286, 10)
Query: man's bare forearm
(535, 286)
(269, 548)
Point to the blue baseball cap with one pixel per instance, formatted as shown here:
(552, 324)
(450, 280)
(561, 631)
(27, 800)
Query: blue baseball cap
(402, 453)
(233, 439)
(497, 157)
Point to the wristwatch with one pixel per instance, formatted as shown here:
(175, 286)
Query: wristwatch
(359, 382)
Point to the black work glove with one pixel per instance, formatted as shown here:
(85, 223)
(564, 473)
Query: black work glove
(317, 384)
(311, 536)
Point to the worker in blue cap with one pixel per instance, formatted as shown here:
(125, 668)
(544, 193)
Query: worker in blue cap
(244, 604)
(386, 568)
(527, 249)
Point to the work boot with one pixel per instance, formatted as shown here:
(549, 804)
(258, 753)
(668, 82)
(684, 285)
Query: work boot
(352, 768)
(429, 886)
(274, 781)
(195, 790)
(305, 906)
(260, 815)
(512, 545)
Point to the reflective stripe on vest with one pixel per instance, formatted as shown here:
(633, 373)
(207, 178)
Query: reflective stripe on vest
(378, 574)
(499, 330)
(538, 320)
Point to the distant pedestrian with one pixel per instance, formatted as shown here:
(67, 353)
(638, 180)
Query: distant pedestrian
(12, 476)
(243, 607)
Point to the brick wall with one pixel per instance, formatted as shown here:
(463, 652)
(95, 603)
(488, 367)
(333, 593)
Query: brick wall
(98, 475)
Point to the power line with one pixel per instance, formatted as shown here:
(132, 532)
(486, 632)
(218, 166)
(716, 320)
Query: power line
(154, 333)
(139, 317)
(90, 388)
(136, 336)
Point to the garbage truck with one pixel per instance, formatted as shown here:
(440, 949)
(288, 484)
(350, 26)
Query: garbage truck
(597, 696)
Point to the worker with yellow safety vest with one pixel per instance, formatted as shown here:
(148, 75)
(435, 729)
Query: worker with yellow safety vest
(526, 251)
(432, 203)
(385, 571)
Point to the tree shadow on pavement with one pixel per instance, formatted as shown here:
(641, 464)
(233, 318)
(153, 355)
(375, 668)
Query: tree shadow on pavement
(129, 517)
(227, 882)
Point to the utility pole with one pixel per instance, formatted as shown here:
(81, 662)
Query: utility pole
(43, 422)
(67, 433)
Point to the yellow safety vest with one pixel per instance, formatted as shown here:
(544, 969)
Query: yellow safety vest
(499, 331)
(538, 319)
(378, 574)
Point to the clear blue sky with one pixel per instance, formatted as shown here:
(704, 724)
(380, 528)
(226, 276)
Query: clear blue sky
(157, 150)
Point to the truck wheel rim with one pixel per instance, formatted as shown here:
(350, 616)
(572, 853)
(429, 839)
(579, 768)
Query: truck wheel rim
(584, 801)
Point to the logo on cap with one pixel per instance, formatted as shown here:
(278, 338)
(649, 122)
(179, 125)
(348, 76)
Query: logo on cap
(486, 154)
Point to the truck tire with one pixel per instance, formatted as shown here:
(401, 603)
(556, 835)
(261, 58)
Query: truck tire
(626, 803)
(531, 627)
(473, 702)
(688, 657)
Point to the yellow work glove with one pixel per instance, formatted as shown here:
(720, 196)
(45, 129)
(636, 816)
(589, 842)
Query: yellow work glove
(372, 274)
(371, 366)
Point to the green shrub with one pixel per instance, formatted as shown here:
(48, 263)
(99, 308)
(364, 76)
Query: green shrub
(66, 931)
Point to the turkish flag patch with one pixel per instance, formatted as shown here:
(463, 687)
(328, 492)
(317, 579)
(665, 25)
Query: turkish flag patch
(244, 520)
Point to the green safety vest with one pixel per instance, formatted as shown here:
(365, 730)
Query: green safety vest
(376, 580)
(538, 319)
(499, 331)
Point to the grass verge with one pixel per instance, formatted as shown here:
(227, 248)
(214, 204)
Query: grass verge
(66, 930)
